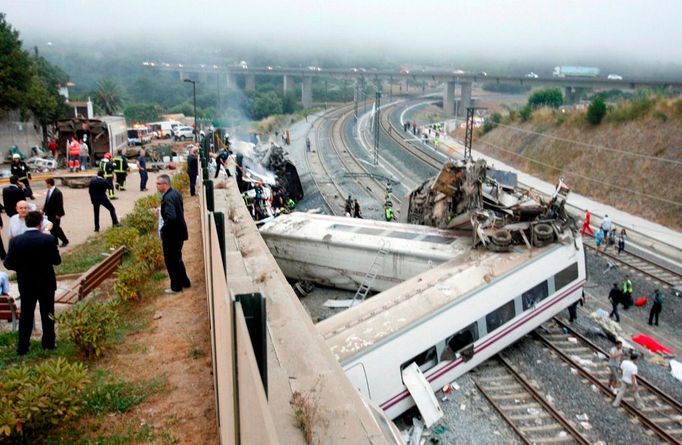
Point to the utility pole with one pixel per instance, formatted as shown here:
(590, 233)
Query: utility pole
(376, 127)
(194, 94)
(355, 101)
(469, 133)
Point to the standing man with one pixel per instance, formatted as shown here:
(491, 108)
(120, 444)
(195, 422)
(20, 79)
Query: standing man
(17, 223)
(221, 161)
(32, 255)
(657, 307)
(356, 209)
(616, 355)
(142, 168)
(307, 143)
(615, 297)
(12, 194)
(84, 154)
(629, 382)
(53, 147)
(54, 210)
(173, 230)
(98, 189)
(627, 292)
(23, 172)
(606, 225)
(193, 170)
(107, 167)
(74, 153)
(121, 170)
(586, 224)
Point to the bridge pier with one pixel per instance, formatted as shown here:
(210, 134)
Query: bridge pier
(232, 81)
(449, 97)
(182, 76)
(465, 101)
(307, 92)
(289, 83)
(574, 94)
(250, 84)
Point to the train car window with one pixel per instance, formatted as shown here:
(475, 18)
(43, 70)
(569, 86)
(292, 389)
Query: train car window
(500, 316)
(535, 295)
(402, 235)
(426, 360)
(438, 239)
(566, 276)
(461, 343)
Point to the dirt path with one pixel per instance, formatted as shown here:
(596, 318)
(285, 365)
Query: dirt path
(176, 344)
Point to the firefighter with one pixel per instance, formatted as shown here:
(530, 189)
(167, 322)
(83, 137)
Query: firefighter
(121, 169)
(388, 211)
(107, 166)
(23, 172)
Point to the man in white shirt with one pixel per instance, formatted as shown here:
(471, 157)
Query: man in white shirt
(629, 382)
(17, 223)
(616, 354)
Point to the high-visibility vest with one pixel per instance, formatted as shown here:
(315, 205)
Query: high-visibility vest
(389, 214)
(74, 149)
(107, 167)
(627, 287)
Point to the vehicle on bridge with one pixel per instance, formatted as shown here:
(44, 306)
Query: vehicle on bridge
(614, 77)
(532, 75)
(575, 71)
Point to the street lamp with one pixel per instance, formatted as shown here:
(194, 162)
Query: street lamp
(194, 94)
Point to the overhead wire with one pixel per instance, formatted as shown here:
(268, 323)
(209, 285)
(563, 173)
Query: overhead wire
(586, 144)
(587, 178)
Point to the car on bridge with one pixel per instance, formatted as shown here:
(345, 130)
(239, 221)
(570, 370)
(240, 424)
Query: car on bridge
(458, 72)
(532, 75)
(614, 77)
(243, 65)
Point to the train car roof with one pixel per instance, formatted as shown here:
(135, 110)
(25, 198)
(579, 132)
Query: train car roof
(360, 327)
(370, 233)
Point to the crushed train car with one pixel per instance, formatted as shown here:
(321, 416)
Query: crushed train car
(469, 195)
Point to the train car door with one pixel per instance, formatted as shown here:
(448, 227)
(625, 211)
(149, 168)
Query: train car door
(358, 377)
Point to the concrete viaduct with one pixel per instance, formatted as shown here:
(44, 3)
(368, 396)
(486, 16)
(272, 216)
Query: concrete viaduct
(573, 87)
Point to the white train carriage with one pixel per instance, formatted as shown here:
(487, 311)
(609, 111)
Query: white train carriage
(450, 319)
(338, 251)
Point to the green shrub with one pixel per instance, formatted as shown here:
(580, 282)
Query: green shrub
(148, 252)
(130, 278)
(122, 236)
(90, 325)
(34, 398)
(180, 181)
(549, 97)
(661, 116)
(632, 110)
(526, 113)
(596, 111)
(148, 202)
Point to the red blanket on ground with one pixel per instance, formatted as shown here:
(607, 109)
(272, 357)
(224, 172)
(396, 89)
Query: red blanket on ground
(641, 301)
(651, 344)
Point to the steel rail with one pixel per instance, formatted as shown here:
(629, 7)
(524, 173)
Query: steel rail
(629, 407)
(535, 394)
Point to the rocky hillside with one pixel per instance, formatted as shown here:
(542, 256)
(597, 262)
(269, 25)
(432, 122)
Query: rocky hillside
(623, 161)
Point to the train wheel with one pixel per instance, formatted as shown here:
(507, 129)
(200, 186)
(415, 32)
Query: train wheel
(502, 238)
(543, 231)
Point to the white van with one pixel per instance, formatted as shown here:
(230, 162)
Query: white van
(163, 130)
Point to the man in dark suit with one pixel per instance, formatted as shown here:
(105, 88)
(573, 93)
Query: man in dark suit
(32, 255)
(173, 234)
(12, 194)
(54, 210)
(98, 197)
(193, 170)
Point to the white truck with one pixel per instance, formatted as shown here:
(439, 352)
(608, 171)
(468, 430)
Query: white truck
(575, 71)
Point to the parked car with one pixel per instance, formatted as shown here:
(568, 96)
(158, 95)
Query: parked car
(532, 75)
(182, 133)
(614, 77)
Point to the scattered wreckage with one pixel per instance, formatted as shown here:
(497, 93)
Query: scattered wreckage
(469, 195)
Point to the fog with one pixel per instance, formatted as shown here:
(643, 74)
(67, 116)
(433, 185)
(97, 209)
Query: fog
(446, 32)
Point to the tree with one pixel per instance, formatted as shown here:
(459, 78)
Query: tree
(264, 105)
(596, 111)
(525, 113)
(43, 98)
(108, 97)
(550, 97)
(142, 112)
(15, 68)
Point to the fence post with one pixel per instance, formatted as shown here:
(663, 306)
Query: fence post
(219, 218)
(253, 305)
(210, 199)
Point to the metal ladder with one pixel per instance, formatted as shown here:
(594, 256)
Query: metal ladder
(371, 274)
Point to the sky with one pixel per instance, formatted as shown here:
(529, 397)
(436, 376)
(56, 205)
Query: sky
(562, 31)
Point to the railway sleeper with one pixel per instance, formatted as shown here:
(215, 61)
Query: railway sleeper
(556, 439)
(513, 386)
(495, 379)
(649, 409)
(524, 406)
(529, 417)
(536, 428)
(520, 395)
(663, 420)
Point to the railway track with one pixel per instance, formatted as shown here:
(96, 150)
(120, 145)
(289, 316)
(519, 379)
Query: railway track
(522, 406)
(649, 269)
(662, 414)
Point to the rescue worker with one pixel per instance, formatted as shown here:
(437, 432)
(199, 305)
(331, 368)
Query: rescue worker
(107, 168)
(627, 292)
(23, 172)
(121, 170)
(74, 154)
(388, 212)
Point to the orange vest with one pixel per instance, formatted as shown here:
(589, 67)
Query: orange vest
(74, 148)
